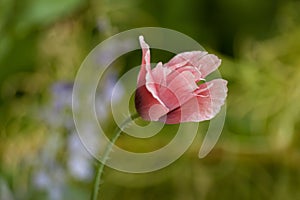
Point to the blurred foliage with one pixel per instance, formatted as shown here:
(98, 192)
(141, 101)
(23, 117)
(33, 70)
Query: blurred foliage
(42, 44)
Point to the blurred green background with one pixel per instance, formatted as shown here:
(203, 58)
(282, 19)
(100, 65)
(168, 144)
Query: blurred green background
(42, 44)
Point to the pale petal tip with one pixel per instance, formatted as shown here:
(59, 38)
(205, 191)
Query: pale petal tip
(215, 59)
(141, 38)
(143, 44)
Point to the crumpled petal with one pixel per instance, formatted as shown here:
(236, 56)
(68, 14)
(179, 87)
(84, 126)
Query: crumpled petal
(178, 90)
(204, 105)
(160, 74)
(196, 61)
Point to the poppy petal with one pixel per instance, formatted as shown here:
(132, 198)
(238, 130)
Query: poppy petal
(206, 103)
(178, 89)
(147, 102)
(200, 60)
(145, 66)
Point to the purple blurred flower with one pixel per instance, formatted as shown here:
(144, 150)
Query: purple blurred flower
(104, 95)
(79, 162)
(62, 95)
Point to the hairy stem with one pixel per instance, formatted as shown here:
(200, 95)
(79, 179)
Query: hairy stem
(107, 151)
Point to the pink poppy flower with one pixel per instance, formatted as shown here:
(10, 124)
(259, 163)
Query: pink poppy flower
(176, 92)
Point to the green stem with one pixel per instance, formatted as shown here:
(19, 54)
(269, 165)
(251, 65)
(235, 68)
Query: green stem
(107, 151)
